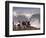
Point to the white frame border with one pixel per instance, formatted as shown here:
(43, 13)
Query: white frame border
(11, 32)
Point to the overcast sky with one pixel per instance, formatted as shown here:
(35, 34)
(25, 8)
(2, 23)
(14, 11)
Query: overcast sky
(21, 10)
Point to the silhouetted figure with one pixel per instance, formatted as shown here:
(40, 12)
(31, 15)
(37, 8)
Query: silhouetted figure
(19, 27)
(23, 23)
(28, 23)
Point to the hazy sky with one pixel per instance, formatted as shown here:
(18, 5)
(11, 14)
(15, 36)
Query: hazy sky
(21, 10)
